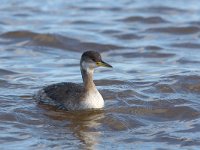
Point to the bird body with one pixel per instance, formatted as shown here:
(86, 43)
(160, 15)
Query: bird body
(72, 96)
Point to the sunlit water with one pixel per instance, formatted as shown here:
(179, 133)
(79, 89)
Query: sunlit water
(152, 96)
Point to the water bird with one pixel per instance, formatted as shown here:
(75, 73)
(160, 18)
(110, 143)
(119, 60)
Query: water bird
(72, 96)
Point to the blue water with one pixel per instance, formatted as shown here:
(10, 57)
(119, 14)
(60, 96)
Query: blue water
(151, 95)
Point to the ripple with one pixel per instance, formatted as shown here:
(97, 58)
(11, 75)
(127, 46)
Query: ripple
(18, 34)
(6, 72)
(162, 10)
(57, 41)
(121, 123)
(162, 112)
(146, 20)
(110, 82)
(113, 8)
(171, 139)
(176, 30)
(182, 84)
(111, 31)
(194, 128)
(83, 22)
(99, 47)
(153, 47)
(128, 36)
(189, 84)
(7, 117)
(178, 113)
(145, 55)
(187, 45)
(164, 88)
(187, 61)
(195, 23)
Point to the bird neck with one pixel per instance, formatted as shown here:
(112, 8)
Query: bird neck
(87, 75)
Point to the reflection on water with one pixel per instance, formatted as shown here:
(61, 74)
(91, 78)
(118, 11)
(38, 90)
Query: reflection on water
(83, 124)
(151, 95)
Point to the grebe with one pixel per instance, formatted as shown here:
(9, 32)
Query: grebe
(72, 96)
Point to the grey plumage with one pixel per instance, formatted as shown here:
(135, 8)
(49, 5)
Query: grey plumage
(73, 96)
(62, 95)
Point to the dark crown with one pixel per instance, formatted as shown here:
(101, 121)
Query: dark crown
(93, 55)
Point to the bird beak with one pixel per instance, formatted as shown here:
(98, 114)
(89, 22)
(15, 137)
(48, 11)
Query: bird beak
(103, 64)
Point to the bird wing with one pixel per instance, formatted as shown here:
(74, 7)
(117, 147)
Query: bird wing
(63, 92)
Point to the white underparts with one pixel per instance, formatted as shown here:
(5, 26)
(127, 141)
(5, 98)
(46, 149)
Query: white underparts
(93, 99)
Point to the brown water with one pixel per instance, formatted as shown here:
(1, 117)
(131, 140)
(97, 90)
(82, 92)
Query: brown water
(152, 95)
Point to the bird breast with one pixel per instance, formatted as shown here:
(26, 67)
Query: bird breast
(92, 100)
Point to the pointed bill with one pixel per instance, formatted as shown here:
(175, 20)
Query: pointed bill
(103, 64)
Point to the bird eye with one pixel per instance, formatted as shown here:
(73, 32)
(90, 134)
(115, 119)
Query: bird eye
(93, 59)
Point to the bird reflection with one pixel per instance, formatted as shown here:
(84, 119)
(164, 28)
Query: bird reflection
(86, 128)
(85, 125)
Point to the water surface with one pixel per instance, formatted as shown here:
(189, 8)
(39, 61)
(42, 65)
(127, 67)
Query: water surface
(151, 96)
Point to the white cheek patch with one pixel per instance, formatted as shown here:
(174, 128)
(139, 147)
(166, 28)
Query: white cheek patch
(89, 67)
(85, 65)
